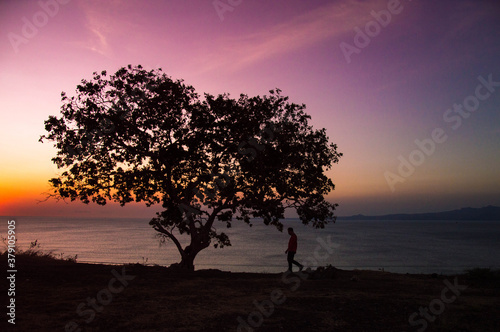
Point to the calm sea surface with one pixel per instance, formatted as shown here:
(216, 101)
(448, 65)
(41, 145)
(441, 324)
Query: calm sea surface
(398, 246)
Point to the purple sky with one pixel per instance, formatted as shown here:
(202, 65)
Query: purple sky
(378, 75)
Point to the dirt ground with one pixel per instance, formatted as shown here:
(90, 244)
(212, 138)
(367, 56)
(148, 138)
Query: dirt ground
(53, 295)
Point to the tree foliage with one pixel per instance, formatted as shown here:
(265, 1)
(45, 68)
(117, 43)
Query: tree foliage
(138, 135)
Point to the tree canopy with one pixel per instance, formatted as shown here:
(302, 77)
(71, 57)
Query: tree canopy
(140, 136)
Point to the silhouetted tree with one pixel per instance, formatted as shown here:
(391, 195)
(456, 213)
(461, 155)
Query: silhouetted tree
(139, 136)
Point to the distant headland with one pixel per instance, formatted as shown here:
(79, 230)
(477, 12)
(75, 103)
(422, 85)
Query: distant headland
(485, 213)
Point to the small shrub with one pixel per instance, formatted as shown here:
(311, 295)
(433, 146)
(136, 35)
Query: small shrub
(34, 250)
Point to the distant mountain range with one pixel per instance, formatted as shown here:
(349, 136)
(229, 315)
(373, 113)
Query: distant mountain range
(485, 213)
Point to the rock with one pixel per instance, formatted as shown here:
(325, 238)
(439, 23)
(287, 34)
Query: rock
(321, 272)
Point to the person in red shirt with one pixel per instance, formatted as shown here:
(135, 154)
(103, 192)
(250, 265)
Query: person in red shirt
(292, 249)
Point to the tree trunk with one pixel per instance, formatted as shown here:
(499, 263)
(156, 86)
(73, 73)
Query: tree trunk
(187, 261)
(199, 241)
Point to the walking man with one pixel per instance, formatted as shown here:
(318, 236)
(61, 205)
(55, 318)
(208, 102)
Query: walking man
(292, 249)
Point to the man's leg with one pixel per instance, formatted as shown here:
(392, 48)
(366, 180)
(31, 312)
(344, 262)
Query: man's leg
(290, 260)
(298, 264)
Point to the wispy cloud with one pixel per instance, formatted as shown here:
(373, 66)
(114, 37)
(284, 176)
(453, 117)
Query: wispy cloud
(326, 22)
(103, 24)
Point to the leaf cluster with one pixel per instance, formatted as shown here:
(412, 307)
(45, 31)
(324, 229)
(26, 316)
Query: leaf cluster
(138, 135)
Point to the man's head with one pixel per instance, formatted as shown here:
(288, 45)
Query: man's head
(290, 230)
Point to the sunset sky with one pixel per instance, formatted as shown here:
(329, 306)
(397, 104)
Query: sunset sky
(409, 90)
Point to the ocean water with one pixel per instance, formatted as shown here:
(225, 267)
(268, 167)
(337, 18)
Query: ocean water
(445, 247)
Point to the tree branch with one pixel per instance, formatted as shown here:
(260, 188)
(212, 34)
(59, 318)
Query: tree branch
(159, 228)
